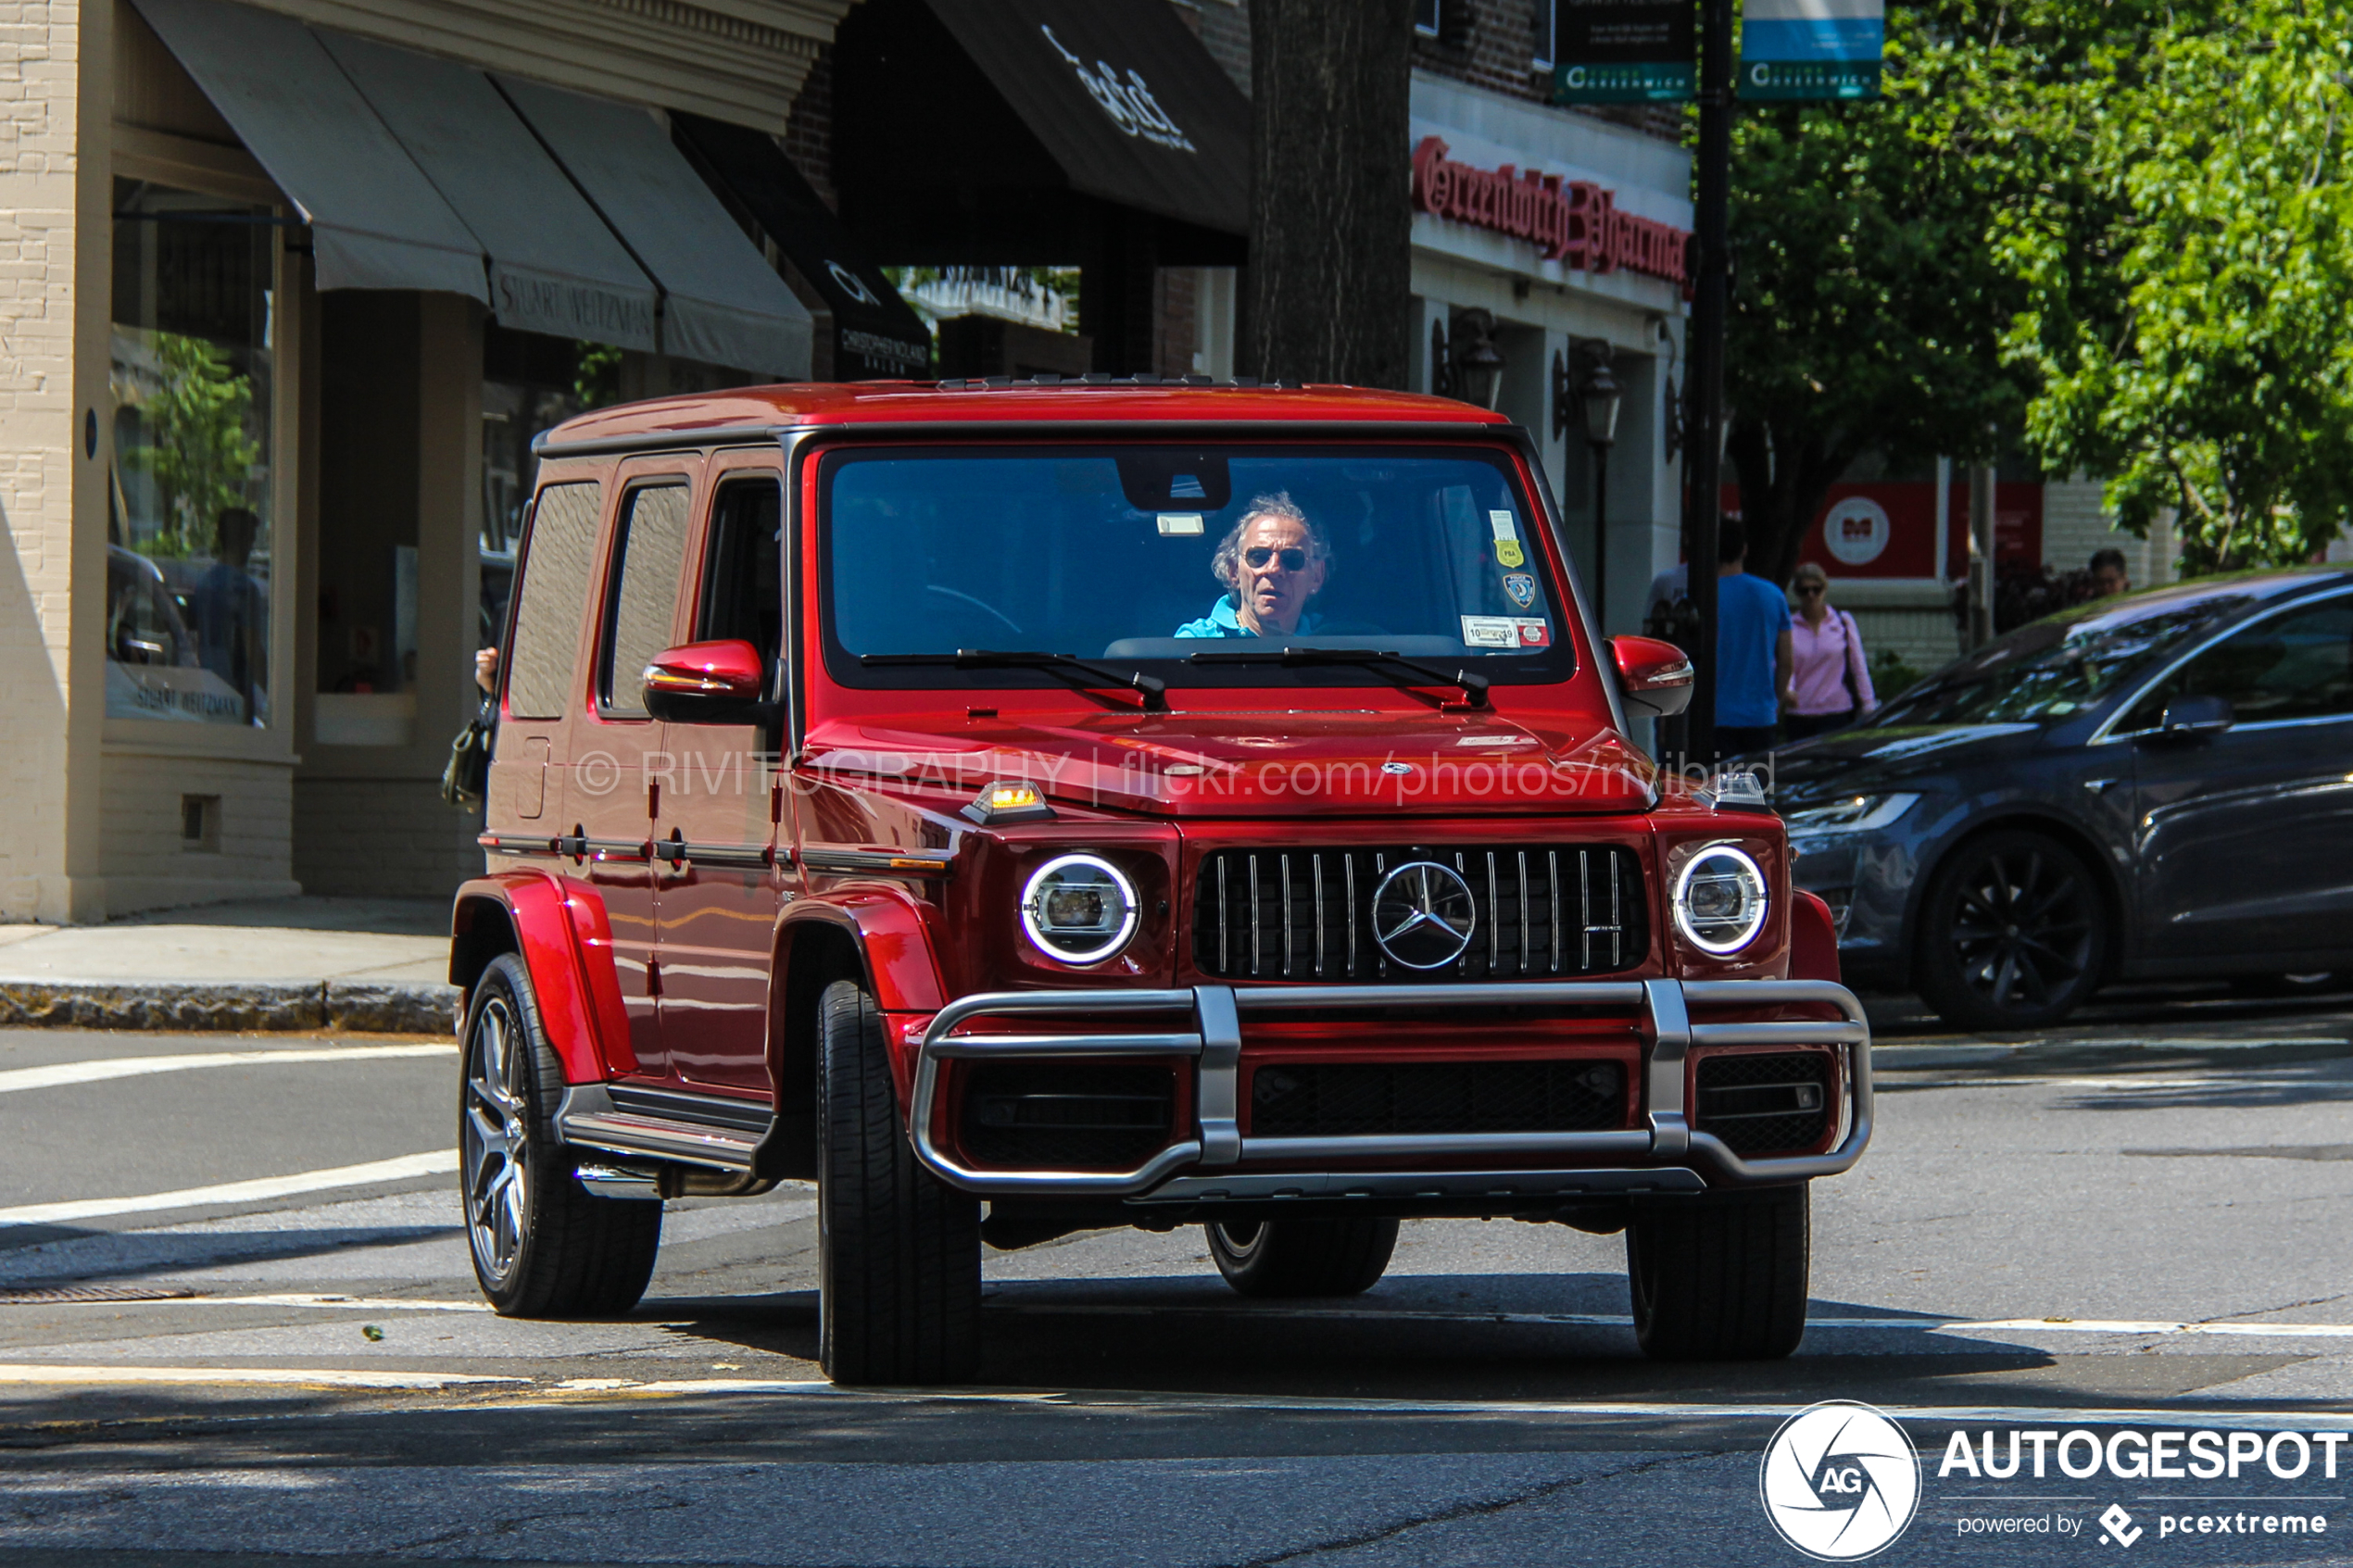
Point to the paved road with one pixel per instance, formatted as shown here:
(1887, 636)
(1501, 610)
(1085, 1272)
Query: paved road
(2133, 1224)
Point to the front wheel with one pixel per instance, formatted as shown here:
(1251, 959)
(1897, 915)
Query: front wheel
(543, 1245)
(897, 1250)
(2013, 934)
(1294, 1258)
(1720, 1277)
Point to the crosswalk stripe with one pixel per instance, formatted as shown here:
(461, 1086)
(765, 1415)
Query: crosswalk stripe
(100, 1068)
(433, 1162)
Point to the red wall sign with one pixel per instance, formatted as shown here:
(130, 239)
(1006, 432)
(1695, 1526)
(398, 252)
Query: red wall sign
(1576, 221)
(1889, 530)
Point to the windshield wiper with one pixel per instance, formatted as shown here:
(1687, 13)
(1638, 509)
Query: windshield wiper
(1294, 657)
(1153, 689)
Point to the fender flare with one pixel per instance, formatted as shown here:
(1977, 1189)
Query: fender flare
(564, 939)
(1813, 939)
(890, 935)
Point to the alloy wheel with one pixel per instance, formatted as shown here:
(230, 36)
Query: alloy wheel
(2023, 929)
(495, 1138)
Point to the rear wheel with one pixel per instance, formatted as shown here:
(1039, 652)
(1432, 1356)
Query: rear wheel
(543, 1246)
(898, 1251)
(1721, 1278)
(1281, 1257)
(2013, 934)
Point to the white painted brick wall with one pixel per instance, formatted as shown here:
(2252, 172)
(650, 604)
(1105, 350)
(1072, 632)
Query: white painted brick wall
(39, 97)
(2075, 525)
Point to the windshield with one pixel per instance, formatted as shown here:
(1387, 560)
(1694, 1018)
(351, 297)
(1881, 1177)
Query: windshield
(1137, 558)
(2058, 667)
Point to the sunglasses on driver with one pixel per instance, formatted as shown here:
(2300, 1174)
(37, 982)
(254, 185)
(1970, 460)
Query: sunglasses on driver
(1293, 559)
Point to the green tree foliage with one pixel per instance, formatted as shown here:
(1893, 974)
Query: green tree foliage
(2187, 292)
(197, 447)
(1866, 304)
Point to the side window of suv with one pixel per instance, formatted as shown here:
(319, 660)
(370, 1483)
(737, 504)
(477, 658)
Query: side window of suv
(649, 551)
(743, 575)
(2298, 665)
(540, 676)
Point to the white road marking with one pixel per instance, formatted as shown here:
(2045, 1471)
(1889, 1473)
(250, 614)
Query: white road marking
(439, 1161)
(336, 1303)
(1619, 1320)
(301, 1377)
(102, 1067)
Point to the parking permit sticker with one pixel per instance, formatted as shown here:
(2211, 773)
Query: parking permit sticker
(1490, 630)
(1180, 522)
(1532, 633)
(1507, 550)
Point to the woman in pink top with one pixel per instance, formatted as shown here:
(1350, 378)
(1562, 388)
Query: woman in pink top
(1832, 687)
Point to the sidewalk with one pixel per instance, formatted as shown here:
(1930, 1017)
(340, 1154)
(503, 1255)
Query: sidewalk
(372, 965)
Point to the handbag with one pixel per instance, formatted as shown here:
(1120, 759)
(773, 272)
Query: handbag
(466, 777)
(1848, 654)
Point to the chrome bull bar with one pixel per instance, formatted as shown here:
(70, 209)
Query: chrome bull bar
(1666, 1155)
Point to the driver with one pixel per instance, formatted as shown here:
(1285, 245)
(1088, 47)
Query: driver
(1272, 563)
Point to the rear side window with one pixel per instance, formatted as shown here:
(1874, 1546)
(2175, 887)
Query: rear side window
(649, 554)
(743, 586)
(2298, 665)
(555, 592)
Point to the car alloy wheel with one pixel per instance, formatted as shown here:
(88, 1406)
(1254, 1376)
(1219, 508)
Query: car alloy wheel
(496, 1147)
(2016, 936)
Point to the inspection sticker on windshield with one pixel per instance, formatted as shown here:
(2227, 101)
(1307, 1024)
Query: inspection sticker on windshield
(1506, 632)
(1507, 550)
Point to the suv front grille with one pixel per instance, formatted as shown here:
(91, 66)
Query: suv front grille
(1343, 1100)
(1764, 1103)
(1049, 1115)
(1540, 912)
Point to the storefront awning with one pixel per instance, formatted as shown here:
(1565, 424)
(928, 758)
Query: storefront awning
(376, 221)
(1123, 98)
(554, 266)
(722, 302)
(877, 334)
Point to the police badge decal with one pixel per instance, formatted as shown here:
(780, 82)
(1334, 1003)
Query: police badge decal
(1840, 1481)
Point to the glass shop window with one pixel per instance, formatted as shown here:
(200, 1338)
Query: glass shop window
(190, 533)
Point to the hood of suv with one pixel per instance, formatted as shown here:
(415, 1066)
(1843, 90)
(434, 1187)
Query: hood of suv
(1260, 764)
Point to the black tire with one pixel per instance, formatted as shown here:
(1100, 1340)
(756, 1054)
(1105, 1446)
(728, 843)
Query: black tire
(1721, 1278)
(1292, 1258)
(542, 1246)
(2013, 934)
(898, 1251)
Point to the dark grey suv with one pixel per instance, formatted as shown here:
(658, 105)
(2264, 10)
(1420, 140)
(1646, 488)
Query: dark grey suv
(2154, 785)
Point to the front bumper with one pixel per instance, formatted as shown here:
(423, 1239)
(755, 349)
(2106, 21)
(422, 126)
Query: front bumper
(1217, 1162)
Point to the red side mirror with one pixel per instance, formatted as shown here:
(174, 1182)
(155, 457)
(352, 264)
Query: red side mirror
(1656, 676)
(719, 683)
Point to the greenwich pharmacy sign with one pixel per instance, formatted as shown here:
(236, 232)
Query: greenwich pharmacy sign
(1574, 222)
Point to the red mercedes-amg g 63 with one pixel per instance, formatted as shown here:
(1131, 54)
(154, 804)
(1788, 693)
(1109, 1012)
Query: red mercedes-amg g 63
(1027, 807)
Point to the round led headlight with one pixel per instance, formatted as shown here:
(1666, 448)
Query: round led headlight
(1079, 909)
(1719, 899)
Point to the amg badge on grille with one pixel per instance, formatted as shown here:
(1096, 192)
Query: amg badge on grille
(1423, 915)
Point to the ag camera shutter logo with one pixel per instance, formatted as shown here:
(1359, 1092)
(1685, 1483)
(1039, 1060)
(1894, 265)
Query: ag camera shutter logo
(1840, 1481)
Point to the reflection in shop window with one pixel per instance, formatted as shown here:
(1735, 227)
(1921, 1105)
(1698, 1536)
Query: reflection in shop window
(188, 525)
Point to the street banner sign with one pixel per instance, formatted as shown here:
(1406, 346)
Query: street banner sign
(1811, 48)
(1624, 51)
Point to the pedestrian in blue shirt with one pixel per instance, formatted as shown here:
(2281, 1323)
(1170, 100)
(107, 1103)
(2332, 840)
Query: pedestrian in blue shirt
(1753, 658)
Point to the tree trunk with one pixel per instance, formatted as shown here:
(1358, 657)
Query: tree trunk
(1330, 228)
(1784, 477)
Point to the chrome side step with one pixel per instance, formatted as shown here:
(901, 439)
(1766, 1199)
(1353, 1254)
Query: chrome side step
(721, 1134)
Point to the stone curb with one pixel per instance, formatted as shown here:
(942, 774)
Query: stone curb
(248, 1008)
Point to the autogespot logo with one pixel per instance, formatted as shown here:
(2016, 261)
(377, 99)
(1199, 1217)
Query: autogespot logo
(1840, 1481)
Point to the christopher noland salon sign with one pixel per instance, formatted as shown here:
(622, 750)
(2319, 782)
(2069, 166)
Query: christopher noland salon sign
(1574, 222)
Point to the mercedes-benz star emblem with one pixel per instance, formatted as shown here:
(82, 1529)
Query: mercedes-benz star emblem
(1423, 915)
